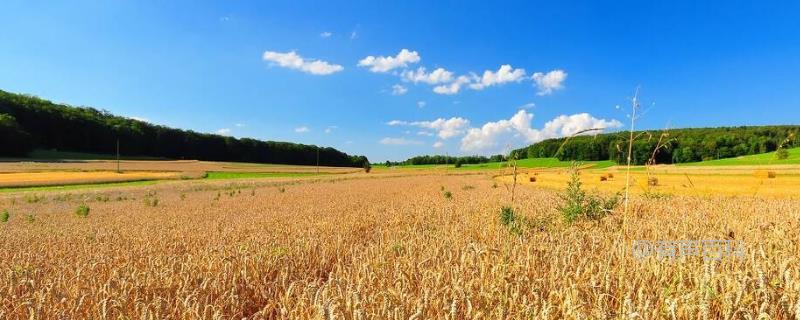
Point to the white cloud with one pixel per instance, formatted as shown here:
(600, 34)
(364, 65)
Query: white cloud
(353, 35)
(440, 75)
(325, 34)
(292, 60)
(549, 82)
(564, 125)
(399, 90)
(526, 106)
(452, 87)
(503, 75)
(445, 128)
(223, 132)
(399, 141)
(488, 137)
(425, 133)
(438, 144)
(421, 104)
(330, 129)
(302, 129)
(240, 125)
(396, 123)
(385, 64)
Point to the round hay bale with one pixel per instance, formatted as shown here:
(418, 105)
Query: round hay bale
(532, 179)
(652, 181)
(610, 175)
(603, 178)
(764, 174)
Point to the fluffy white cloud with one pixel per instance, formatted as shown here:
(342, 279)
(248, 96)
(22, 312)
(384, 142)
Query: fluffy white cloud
(438, 144)
(398, 90)
(565, 125)
(399, 141)
(302, 129)
(445, 128)
(223, 132)
(325, 34)
(440, 75)
(452, 87)
(529, 105)
(503, 75)
(294, 61)
(549, 82)
(489, 137)
(424, 133)
(384, 64)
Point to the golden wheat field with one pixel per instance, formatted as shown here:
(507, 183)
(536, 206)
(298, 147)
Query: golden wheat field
(384, 247)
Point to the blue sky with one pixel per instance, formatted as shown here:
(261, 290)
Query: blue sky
(249, 70)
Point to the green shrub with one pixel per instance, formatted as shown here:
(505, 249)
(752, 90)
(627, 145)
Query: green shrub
(781, 154)
(448, 194)
(150, 199)
(516, 224)
(82, 211)
(33, 198)
(457, 165)
(577, 204)
(4, 216)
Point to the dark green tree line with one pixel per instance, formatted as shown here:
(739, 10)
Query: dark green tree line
(439, 159)
(28, 122)
(681, 145)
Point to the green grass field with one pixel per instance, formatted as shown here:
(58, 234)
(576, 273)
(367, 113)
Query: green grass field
(524, 163)
(756, 159)
(539, 163)
(217, 175)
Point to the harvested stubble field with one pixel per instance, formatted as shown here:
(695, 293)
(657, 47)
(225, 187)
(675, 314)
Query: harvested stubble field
(22, 179)
(673, 181)
(385, 248)
(28, 174)
(161, 165)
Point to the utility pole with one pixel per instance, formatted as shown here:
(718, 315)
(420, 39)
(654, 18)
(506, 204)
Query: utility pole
(118, 156)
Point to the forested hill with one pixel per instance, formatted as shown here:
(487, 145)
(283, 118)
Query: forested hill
(679, 145)
(28, 122)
